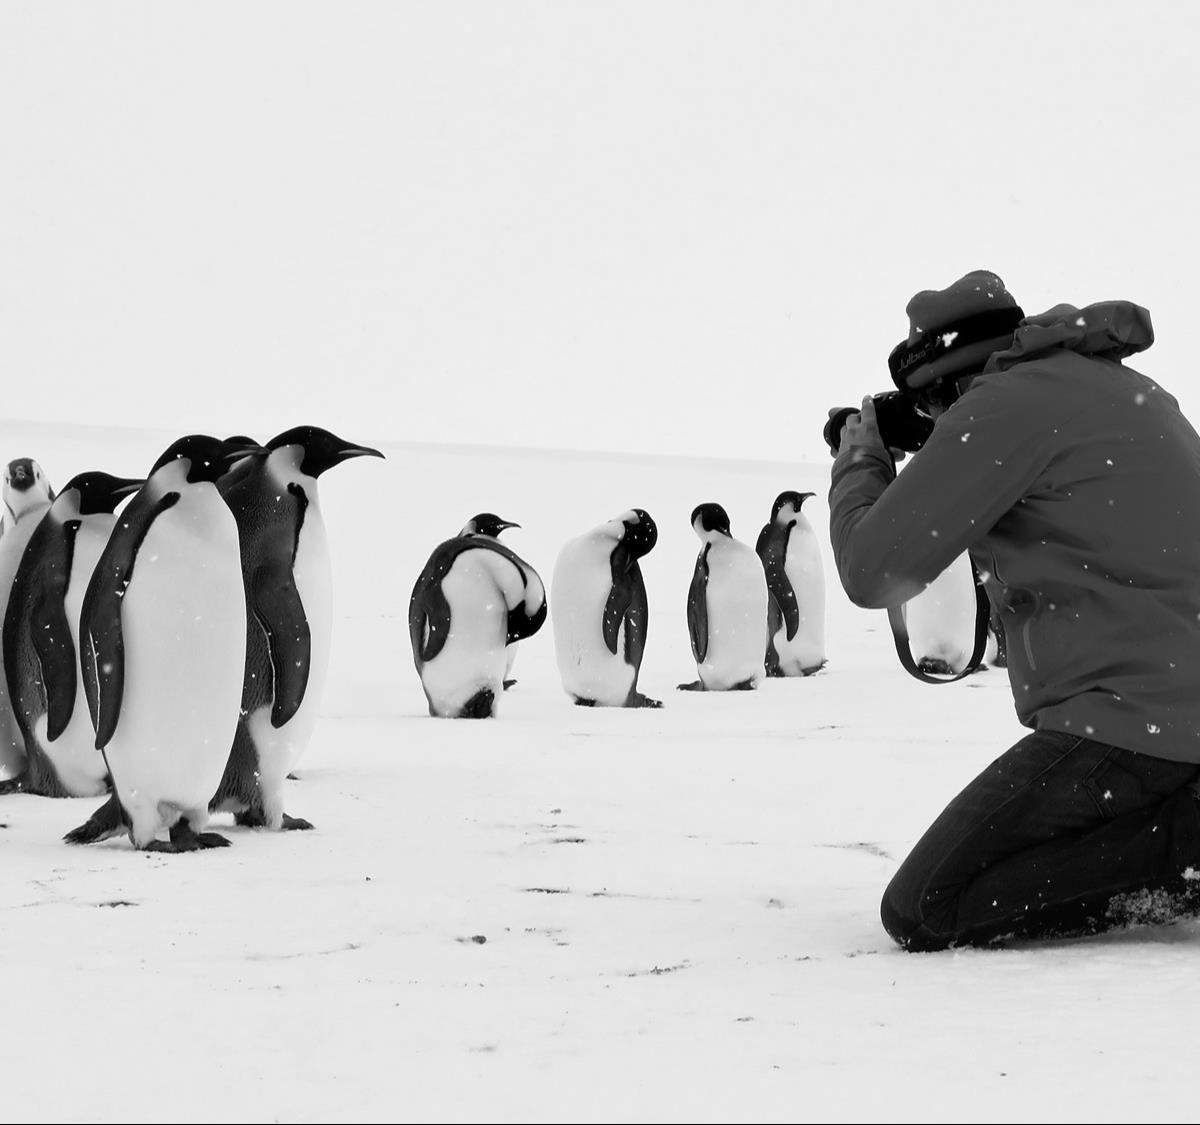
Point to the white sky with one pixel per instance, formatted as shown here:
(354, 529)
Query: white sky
(680, 227)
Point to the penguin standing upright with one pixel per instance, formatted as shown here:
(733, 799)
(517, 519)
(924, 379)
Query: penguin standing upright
(41, 639)
(163, 650)
(727, 607)
(26, 496)
(601, 613)
(791, 559)
(275, 500)
(941, 620)
(472, 600)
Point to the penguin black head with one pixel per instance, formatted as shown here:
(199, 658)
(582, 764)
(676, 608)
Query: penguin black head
(322, 450)
(486, 523)
(208, 457)
(796, 499)
(25, 487)
(710, 517)
(100, 493)
(21, 474)
(641, 532)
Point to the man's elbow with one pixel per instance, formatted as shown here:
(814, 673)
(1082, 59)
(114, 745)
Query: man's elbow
(875, 588)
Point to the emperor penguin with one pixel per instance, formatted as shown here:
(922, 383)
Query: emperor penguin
(41, 639)
(941, 620)
(726, 608)
(473, 600)
(601, 612)
(26, 497)
(791, 559)
(162, 635)
(275, 500)
(491, 525)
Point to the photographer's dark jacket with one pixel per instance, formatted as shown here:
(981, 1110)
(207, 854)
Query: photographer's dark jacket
(1074, 481)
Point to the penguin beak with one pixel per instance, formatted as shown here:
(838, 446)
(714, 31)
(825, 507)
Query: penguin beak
(126, 486)
(238, 447)
(365, 451)
(504, 524)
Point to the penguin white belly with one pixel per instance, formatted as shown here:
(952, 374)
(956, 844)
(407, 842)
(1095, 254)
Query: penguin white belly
(473, 656)
(737, 618)
(806, 574)
(280, 748)
(941, 619)
(579, 592)
(79, 765)
(184, 627)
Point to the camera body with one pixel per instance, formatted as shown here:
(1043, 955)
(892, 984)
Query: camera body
(901, 425)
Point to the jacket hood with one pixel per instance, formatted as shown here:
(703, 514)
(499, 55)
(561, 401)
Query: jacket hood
(1107, 330)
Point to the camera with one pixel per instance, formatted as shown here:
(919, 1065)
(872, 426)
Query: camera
(901, 425)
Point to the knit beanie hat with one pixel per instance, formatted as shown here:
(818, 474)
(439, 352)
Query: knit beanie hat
(952, 331)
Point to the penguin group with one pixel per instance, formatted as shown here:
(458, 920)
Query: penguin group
(171, 652)
(751, 613)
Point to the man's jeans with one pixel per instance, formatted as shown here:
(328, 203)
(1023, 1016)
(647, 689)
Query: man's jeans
(1042, 841)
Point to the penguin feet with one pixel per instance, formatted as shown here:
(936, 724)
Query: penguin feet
(16, 784)
(637, 699)
(695, 685)
(584, 702)
(104, 822)
(480, 705)
(184, 839)
(935, 666)
(745, 685)
(814, 669)
(254, 818)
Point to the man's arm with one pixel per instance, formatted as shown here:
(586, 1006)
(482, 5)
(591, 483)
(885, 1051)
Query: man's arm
(893, 535)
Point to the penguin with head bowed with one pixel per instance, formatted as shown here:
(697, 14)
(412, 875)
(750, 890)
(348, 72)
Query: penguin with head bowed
(26, 496)
(275, 500)
(491, 525)
(162, 637)
(791, 559)
(727, 607)
(41, 639)
(601, 612)
(473, 600)
(941, 620)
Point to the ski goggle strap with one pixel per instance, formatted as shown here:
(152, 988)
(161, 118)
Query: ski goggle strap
(949, 350)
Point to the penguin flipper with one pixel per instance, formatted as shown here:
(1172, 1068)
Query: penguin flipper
(279, 611)
(522, 624)
(51, 637)
(101, 641)
(774, 621)
(627, 606)
(772, 549)
(428, 621)
(697, 607)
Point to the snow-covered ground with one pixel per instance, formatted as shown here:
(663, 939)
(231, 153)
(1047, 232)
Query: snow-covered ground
(564, 914)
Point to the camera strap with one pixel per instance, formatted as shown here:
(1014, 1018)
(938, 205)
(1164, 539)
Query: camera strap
(983, 613)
